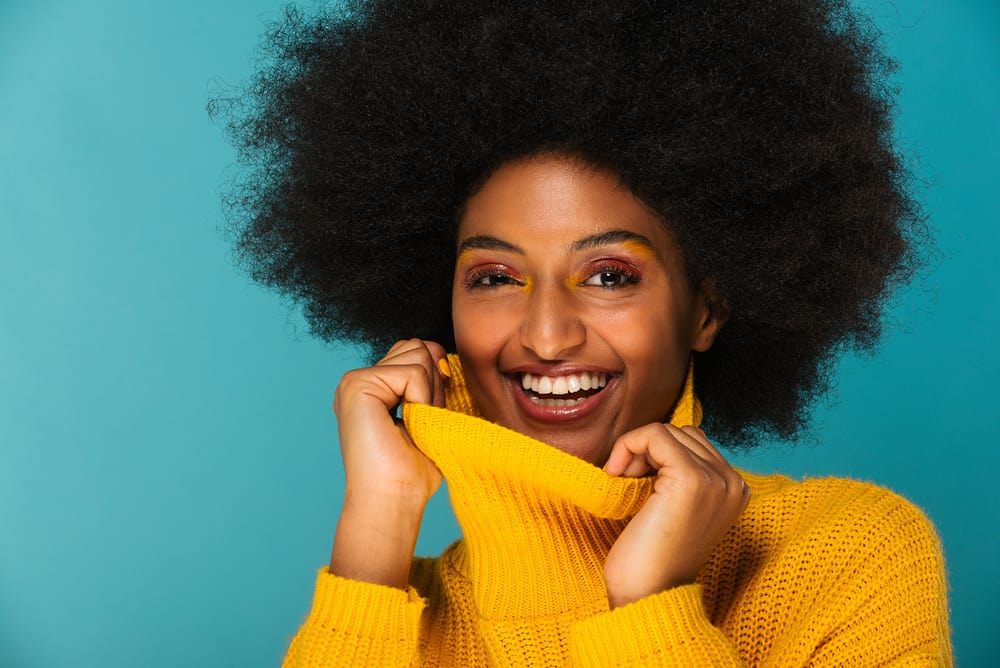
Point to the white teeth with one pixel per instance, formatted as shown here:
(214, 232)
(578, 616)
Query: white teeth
(563, 384)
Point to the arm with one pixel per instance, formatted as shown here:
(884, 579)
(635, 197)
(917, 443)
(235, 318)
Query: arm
(670, 628)
(854, 576)
(892, 603)
(656, 612)
(355, 623)
(387, 480)
(363, 613)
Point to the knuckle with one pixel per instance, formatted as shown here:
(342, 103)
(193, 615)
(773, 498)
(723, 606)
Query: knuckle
(698, 481)
(348, 380)
(436, 347)
(660, 431)
(417, 372)
(396, 346)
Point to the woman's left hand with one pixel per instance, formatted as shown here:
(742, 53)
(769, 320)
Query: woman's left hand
(697, 497)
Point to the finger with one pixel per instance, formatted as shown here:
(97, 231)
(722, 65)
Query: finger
(696, 440)
(670, 448)
(442, 375)
(433, 357)
(401, 350)
(628, 454)
(388, 384)
(638, 467)
(647, 448)
(698, 436)
(427, 354)
(408, 382)
(618, 460)
(623, 461)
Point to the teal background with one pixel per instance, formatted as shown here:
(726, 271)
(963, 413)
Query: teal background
(169, 473)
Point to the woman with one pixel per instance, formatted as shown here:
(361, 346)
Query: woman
(568, 227)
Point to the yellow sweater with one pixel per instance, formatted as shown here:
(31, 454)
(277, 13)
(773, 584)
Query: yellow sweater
(827, 572)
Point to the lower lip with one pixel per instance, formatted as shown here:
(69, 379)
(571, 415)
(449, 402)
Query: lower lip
(576, 411)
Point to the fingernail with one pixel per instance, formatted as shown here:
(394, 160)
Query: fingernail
(445, 369)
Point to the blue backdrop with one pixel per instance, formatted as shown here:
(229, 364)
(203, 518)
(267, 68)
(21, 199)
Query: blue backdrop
(169, 473)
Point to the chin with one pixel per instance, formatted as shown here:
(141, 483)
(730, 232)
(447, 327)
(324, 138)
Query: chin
(589, 449)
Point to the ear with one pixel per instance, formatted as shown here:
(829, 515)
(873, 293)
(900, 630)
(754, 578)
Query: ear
(711, 313)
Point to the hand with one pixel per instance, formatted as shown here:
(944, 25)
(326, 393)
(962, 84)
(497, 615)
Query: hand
(696, 498)
(387, 480)
(379, 457)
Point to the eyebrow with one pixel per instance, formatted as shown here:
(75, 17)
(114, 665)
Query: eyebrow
(486, 242)
(609, 238)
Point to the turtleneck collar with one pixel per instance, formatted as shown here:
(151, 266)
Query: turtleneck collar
(537, 523)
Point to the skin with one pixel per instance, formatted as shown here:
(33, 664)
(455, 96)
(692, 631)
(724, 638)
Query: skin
(543, 285)
(558, 266)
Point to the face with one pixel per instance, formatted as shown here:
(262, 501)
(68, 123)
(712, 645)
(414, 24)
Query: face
(572, 313)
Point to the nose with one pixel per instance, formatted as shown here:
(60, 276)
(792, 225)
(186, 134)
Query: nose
(552, 327)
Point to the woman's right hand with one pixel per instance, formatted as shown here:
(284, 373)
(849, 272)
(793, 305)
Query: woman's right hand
(387, 480)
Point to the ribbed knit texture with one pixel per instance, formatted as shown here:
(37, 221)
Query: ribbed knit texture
(826, 572)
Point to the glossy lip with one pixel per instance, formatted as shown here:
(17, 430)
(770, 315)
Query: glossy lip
(555, 414)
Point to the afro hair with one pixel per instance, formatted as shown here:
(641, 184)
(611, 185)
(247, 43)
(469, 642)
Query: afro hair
(761, 133)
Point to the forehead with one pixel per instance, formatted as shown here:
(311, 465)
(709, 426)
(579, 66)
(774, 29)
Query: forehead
(557, 201)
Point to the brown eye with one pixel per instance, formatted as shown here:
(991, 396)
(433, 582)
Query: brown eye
(611, 277)
(606, 279)
(492, 280)
(490, 276)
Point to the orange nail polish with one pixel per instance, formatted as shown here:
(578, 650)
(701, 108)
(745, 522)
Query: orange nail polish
(445, 369)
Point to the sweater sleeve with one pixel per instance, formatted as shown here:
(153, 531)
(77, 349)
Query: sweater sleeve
(357, 624)
(894, 610)
(667, 629)
(879, 598)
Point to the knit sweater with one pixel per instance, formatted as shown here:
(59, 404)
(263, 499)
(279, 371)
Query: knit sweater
(826, 572)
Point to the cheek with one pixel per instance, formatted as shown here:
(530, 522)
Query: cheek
(639, 334)
(654, 352)
(480, 329)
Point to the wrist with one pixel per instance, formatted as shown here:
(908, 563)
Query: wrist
(375, 538)
(619, 596)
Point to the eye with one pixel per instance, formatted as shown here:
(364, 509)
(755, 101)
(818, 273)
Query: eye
(612, 276)
(490, 277)
(492, 280)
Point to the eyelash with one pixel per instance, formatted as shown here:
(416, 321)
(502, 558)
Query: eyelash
(477, 275)
(475, 279)
(627, 274)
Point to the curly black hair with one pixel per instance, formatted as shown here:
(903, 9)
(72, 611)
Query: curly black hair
(761, 132)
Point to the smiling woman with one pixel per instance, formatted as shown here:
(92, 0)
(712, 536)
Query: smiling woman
(557, 266)
(564, 219)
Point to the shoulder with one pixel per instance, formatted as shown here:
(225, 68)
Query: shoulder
(827, 542)
(835, 567)
(841, 501)
(849, 519)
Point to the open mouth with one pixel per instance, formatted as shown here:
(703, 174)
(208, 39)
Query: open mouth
(562, 391)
